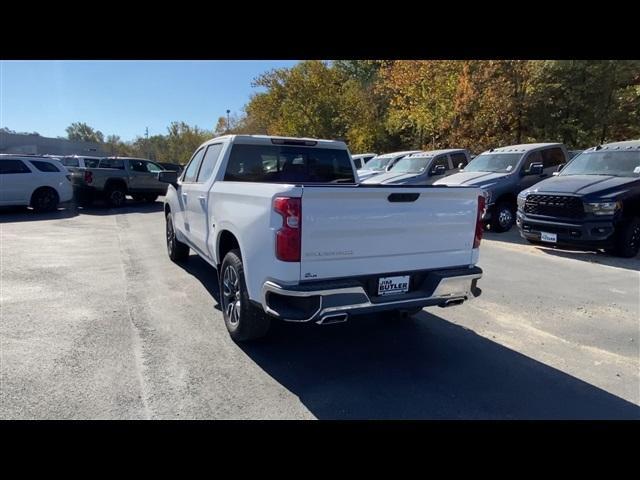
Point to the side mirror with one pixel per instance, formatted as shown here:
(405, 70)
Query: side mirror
(560, 167)
(168, 176)
(461, 165)
(439, 170)
(535, 169)
(555, 174)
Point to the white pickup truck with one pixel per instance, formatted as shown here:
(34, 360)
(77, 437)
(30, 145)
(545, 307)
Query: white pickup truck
(294, 237)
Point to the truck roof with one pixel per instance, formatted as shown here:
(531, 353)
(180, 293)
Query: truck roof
(25, 156)
(524, 147)
(626, 145)
(268, 139)
(396, 154)
(433, 153)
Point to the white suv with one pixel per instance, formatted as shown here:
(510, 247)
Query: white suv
(35, 181)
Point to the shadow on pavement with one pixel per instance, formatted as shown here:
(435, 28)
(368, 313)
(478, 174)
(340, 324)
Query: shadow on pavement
(24, 214)
(100, 208)
(205, 274)
(422, 368)
(591, 256)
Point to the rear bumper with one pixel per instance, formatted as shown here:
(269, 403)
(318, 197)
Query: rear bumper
(317, 301)
(590, 233)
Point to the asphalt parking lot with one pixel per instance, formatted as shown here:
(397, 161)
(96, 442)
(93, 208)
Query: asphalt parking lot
(97, 322)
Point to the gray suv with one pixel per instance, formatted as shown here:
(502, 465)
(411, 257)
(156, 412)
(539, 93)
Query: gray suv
(504, 172)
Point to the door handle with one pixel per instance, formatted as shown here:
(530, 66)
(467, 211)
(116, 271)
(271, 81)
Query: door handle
(202, 197)
(184, 194)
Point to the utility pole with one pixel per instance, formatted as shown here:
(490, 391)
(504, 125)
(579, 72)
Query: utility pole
(146, 143)
(228, 122)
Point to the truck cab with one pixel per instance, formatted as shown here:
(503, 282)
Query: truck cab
(382, 163)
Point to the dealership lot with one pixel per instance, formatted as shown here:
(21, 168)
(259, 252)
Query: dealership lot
(97, 322)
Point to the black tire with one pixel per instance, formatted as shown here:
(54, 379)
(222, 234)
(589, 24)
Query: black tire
(244, 320)
(627, 239)
(45, 199)
(178, 251)
(503, 218)
(116, 196)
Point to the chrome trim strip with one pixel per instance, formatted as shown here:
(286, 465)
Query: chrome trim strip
(462, 292)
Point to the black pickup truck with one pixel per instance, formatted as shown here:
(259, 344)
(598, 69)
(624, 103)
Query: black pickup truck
(592, 203)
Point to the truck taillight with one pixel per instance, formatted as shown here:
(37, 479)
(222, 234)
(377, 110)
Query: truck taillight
(288, 237)
(88, 177)
(479, 222)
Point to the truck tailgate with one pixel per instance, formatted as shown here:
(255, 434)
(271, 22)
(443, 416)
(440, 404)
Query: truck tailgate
(351, 231)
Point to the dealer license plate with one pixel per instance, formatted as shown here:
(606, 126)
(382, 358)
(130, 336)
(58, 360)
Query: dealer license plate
(393, 285)
(549, 237)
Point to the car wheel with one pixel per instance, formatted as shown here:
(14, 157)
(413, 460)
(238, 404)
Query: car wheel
(504, 217)
(45, 200)
(177, 250)
(627, 242)
(244, 320)
(116, 196)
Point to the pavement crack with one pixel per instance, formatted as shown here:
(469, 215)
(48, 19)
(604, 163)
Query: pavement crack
(137, 337)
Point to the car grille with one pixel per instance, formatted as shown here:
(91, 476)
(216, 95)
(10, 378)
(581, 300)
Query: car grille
(563, 206)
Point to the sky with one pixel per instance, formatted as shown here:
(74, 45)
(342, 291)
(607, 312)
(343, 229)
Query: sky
(124, 97)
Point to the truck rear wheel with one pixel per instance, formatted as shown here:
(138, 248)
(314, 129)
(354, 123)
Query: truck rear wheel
(177, 250)
(627, 241)
(116, 196)
(244, 320)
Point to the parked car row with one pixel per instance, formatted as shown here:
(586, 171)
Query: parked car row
(577, 198)
(45, 181)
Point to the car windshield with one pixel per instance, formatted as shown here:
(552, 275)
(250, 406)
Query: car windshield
(378, 163)
(618, 164)
(494, 162)
(411, 165)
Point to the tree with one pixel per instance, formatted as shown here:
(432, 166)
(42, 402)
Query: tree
(181, 142)
(82, 132)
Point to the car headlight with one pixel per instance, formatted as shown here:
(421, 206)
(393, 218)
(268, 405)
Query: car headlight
(522, 198)
(603, 208)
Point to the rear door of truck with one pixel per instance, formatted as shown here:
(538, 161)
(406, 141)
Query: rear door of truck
(353, 231)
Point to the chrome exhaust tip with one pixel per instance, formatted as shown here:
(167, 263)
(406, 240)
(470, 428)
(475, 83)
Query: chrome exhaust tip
(333, 318)
(452, 302)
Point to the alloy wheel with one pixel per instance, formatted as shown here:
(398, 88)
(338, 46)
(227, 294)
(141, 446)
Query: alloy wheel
(231, 293)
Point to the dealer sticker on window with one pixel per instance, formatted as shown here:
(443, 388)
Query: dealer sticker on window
(393, 285)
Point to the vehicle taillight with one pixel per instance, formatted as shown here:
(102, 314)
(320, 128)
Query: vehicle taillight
(288, 237)
(88, 177)
(479, 222)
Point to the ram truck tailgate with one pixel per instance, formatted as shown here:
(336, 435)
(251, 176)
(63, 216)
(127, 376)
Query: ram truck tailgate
(355, 231)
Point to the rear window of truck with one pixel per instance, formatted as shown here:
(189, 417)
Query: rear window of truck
(288, 164)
